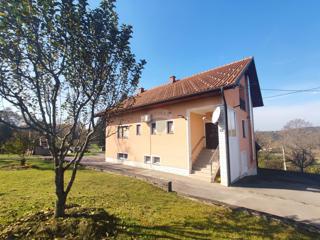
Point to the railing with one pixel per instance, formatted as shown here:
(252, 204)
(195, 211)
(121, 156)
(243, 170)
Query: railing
(197, 145)
(212, 160)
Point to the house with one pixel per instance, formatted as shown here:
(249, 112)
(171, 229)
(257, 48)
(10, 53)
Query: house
(199, 126)
(42, 147)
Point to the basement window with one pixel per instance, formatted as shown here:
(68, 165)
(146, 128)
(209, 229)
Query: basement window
(122, 156)
(147, 159)
(156, 160)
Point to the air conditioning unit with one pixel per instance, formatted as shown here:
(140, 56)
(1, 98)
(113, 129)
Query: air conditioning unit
(146, 118)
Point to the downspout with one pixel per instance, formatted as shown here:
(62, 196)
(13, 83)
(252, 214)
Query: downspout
(227, 136)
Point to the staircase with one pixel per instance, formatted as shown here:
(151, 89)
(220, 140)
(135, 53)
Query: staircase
(207, 165)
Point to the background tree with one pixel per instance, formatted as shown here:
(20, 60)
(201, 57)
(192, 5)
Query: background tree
(20, 143)
(301, 157)
(60, 64)
(7, 132)
(299, 143)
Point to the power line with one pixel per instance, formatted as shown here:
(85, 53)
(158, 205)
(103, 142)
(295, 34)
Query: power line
(289, 92)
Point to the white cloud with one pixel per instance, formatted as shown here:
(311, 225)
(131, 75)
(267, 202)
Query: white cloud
(275, 117)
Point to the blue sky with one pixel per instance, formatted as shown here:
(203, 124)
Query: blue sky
(183, 37)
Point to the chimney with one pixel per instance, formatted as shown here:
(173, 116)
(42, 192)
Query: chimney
(140, 90)
(172, 79)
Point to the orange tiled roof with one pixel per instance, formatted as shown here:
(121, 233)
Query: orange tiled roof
(213, 79)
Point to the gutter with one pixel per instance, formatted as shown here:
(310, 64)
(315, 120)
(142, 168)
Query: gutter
(226, 136)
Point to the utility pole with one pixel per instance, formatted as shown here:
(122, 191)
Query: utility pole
(284, 159)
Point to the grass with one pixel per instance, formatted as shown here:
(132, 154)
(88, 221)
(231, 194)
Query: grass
(144, 211)
(274, 160)
(92, 150)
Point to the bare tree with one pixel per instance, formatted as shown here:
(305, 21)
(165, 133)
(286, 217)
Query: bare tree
(301, 157)
(60, 64)
(299, 144)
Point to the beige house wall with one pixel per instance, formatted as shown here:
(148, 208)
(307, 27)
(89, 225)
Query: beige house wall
(173, 149)
(197, 135)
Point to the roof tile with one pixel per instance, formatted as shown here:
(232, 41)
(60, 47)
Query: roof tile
(202, 82)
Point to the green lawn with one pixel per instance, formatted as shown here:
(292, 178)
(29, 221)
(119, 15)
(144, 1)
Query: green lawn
(145, 211)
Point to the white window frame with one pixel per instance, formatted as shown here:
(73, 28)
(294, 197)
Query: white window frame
(122, 159)
(232, 120)
(138, 124)
(244, 123)
(151, 159)
(153, 156)
(123, 126)
(170, 120)
(144, 159)
(155, 129)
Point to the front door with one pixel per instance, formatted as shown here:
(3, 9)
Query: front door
(212, 139)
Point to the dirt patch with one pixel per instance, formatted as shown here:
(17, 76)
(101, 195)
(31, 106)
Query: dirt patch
(79, 223)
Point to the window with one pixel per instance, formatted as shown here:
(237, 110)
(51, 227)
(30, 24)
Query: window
(244, 128)
(242, 98)
(147, 159)
(156, 160)
(153, 128)
(123, 132)
(232, 123)
(138, 129)
(170, 127)
(122, 156)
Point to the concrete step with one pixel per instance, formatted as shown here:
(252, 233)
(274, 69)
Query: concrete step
(201, 171)
(206, 170)
(199, 166)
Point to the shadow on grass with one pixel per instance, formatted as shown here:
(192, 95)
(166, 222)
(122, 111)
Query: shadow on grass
(231, 225)
(79, 223)
(96, 223)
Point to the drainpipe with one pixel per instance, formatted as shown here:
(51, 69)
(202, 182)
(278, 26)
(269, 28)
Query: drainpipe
(227, 136)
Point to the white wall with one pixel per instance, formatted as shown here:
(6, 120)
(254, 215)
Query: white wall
(222, 150)
(238, 162)
(235, 167)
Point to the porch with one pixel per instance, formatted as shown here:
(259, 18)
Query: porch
(204, 145)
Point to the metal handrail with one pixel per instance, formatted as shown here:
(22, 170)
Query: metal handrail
(198, 144)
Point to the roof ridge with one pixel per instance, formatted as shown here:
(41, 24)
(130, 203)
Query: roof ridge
(194, 75)
(214, 68)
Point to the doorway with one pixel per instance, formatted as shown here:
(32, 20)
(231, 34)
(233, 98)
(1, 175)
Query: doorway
(212, 136)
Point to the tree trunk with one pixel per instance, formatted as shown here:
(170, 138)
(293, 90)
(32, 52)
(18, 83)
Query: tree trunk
(60, 206)
(301, 169)
(22, 161)
(61, 195)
